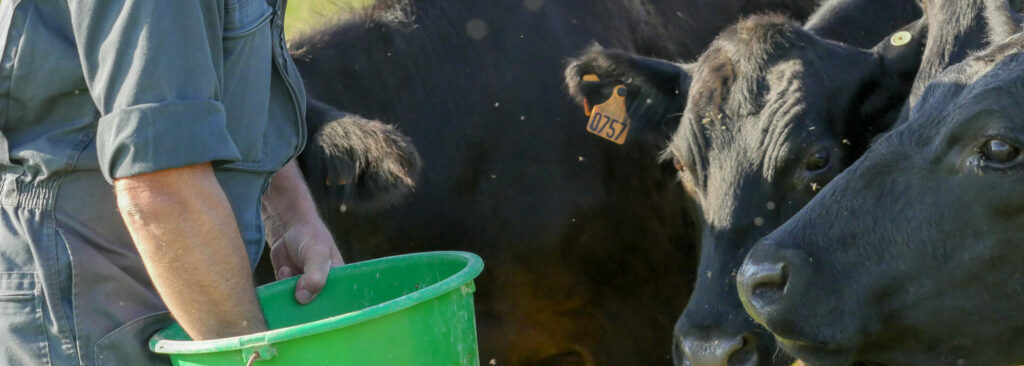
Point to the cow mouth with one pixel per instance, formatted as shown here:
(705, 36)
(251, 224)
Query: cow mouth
(831, 358)
(820, 354)
(825, 354)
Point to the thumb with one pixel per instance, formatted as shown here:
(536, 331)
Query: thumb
(315, 270)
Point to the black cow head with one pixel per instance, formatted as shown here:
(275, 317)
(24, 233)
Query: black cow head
(913, 255)
(353, 163)
(763, 120)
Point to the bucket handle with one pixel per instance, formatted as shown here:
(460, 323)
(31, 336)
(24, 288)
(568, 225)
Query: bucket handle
(253, 358)
(258, 352)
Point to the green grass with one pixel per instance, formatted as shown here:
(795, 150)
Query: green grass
(303, 15)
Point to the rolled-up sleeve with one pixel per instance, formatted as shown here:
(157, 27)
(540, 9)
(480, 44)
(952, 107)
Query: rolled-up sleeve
(153, 69)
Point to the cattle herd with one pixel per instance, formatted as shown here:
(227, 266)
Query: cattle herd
(834, 181)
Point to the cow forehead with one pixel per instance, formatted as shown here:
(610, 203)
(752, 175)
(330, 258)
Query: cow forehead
(1004, 73)
(1000, 88)
(728, 89)
(989, 81)
(986, 81)
(748, 122)
(727, 75)
(734, 145)
(998, 65)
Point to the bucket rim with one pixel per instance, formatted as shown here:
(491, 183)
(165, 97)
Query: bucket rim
(474, 265)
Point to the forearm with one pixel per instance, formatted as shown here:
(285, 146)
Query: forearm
(186, 233)
(299, 240)
(288, 204)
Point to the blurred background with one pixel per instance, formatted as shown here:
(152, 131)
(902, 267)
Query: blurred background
(307, 15)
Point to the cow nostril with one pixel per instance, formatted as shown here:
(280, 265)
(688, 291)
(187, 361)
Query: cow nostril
(767, 283)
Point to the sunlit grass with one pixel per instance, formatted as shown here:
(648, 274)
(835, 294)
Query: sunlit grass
(303, 15)
(307, 14)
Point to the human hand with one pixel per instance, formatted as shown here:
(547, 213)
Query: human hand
(305, 249)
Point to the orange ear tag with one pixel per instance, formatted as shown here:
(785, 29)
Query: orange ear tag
(609, 119)
(587, 108)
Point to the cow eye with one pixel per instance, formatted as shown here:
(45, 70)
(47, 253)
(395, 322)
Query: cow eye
(999, 151)
(817, 161)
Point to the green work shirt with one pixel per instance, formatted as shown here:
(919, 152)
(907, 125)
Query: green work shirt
(92, 91)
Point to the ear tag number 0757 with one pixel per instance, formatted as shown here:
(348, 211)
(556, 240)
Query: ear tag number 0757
(609, 119)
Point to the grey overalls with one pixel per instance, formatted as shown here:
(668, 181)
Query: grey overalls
(96, 90)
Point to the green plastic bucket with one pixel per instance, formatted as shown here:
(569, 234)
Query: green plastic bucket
(414, 309)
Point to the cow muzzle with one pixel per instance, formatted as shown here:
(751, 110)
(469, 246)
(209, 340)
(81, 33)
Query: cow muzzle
(766, 279)
(724, 351)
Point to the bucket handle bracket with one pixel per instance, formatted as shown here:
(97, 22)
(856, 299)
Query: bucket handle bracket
(257, 350)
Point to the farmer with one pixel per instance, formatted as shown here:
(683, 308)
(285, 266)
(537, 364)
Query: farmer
(138, 140)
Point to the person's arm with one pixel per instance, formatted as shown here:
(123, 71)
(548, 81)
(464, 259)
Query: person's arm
(154, 71)
(187, 236)
(299, 240)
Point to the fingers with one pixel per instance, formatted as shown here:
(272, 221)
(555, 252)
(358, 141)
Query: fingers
(317, 265)
(284, 272)
(284, 266)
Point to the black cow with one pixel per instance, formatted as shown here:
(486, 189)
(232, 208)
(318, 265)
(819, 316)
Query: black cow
(580, 237)
(769, 114)
(912, 256)
(375, 163)
(860, 23)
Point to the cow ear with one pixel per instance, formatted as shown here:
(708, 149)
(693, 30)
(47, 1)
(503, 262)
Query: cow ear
(885, 91)
(354, 163)
(656, 90)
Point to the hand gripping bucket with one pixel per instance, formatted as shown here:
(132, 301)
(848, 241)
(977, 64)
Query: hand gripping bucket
(414, 309)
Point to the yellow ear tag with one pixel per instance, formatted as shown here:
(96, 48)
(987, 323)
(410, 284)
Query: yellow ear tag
(609, 119)
(587, 108)
(901, 38)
